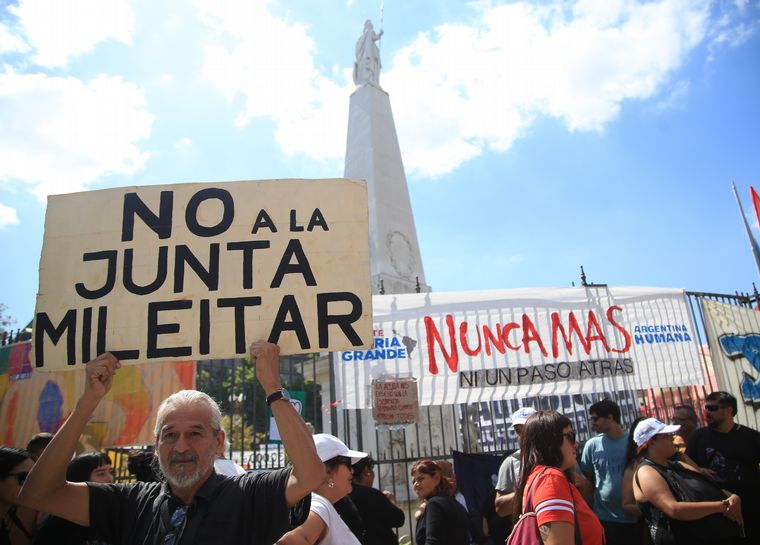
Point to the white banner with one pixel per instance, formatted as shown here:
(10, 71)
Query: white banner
(467, 347)
(734, 336)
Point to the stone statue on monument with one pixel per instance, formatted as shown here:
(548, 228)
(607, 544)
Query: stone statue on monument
(367, 65)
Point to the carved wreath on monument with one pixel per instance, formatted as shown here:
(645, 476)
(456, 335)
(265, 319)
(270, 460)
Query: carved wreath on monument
(400, 251)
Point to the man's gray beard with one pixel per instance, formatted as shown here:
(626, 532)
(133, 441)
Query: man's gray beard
(184, 481)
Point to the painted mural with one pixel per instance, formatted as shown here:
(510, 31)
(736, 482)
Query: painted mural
(33, 402)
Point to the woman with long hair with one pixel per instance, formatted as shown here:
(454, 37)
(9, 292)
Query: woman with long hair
(324, 525)
(548, 455)
(442, 520)
(681, 505)
(15, 465)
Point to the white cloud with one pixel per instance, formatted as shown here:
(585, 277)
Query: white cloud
(7, 216)
(60, 29)
(10, 43)
(61, 134)
(461, 89)
(183, 143)
(481, 86)
(270, 62)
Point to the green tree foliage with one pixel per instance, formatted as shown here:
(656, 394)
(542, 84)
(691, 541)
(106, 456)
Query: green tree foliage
(246, 421)
(5, 320)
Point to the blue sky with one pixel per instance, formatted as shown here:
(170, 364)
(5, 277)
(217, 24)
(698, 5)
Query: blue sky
(536, 136)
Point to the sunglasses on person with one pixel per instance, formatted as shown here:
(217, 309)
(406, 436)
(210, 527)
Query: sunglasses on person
(344, 460)
(570, 436)
(713, 408)
(20, 476)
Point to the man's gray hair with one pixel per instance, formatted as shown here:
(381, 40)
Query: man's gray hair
(188, 397)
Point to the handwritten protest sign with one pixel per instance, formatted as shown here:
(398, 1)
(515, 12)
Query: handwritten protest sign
(394, 401)
(198, 271)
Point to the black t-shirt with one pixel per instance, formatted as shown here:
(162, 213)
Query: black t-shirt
(443, 522)
(58, 531)
(350, 515)
(4, 539)
(734, 456)
(380, 516)
(248, 509)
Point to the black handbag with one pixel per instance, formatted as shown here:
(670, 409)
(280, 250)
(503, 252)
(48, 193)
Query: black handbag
(689, 486)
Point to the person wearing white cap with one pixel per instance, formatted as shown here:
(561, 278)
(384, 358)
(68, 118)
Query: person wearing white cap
(680, 505)
(324, 525)
(509, 470)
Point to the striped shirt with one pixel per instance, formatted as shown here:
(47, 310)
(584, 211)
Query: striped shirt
(552, 502)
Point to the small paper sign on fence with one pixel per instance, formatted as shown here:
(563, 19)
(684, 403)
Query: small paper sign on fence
(395, 401)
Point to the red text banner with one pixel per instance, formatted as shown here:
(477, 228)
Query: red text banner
(479, 346)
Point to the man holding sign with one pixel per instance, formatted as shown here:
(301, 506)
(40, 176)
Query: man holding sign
(194, 505)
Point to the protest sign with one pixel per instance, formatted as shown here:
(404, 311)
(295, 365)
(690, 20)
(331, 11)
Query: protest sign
(394, 401)
(199, 271)
(466, 347)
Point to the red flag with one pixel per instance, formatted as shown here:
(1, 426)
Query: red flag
(752, 242)
(755, 202)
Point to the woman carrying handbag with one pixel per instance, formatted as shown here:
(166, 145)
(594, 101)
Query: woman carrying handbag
(555, 512)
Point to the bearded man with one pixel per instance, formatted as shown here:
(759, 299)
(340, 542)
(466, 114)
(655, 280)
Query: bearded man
(194, 505)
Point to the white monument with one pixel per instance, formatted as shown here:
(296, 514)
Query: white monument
(373, 154)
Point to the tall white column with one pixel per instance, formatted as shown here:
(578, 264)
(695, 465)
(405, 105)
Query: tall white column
(373, 154)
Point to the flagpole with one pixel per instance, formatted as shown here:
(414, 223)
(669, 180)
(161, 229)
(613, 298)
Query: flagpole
(752, 242)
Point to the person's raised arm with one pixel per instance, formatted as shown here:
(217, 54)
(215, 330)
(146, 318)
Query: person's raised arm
(308, 470)
(46, 488)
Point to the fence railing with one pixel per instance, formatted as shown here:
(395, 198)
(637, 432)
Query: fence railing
(10, 336)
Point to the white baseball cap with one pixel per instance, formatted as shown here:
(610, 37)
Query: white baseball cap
(648, 428)
(329, 446)
(521, 415)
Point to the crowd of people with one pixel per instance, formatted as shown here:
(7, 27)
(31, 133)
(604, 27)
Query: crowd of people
(651, 484)
(658, 484)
